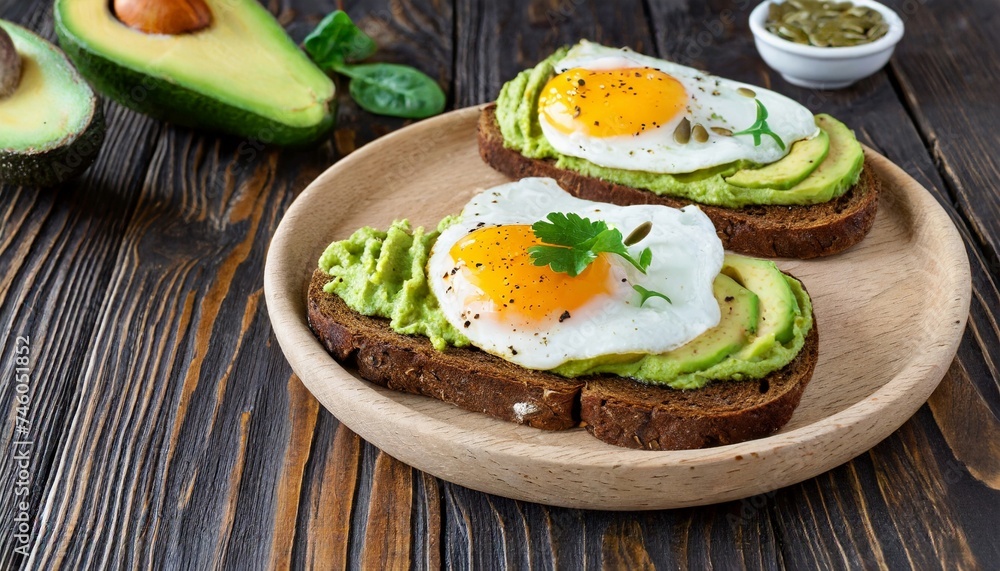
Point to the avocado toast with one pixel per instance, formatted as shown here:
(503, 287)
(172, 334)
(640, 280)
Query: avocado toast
(379, 302)
(804, 196)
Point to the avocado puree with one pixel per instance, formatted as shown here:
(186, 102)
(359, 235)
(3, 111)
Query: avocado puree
(382, 273)
(517, 115)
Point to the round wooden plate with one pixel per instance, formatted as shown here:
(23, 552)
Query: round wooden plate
(890, 312)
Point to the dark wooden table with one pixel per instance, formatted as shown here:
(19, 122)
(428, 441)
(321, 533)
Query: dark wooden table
(168, 430)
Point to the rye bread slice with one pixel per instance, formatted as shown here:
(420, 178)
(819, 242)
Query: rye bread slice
(766, 231)
(615, 410)
(630, 414)
(467, 377)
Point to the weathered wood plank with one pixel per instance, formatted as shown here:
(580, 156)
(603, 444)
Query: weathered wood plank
(189, 436)
(950, 88)
(388, 531)
(324, 523)
(57, 252)
(170, 437)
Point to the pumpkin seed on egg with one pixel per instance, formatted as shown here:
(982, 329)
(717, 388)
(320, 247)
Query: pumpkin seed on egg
(746, 92)
(639, 234)
(699, 134)
(682, 133)
(722, 131)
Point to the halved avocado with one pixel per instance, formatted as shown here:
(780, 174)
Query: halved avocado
(241, 75)
(802, 159)
(52, 123)
(778, 306)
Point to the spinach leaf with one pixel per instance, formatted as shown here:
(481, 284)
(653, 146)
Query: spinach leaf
(395, 90)
(336, 40)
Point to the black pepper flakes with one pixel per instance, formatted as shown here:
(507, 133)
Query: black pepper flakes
(565, 315)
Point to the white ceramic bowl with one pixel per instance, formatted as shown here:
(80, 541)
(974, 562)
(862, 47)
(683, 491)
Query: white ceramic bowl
(825, 68)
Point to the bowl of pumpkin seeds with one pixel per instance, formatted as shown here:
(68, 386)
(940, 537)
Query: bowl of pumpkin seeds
(824, 44)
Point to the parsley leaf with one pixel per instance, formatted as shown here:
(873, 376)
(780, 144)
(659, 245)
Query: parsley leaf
(760, 127)
(567, 229)
(564, 260)
(648, 293)
(573, 242)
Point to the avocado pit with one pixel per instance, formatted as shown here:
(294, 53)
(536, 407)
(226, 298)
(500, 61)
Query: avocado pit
(167, 17)
(10, 65)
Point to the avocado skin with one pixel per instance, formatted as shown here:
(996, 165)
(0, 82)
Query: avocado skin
(164, 100)
(57, 165)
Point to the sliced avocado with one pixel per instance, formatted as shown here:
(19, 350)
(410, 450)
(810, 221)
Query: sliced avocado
(52, 123)
(841, 168)
(242, 74)
(740, 314)
(778, 307)
(802, 159)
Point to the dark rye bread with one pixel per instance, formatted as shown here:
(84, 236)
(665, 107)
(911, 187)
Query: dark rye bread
(630, 414)
(466, 377)
(767, 231)
(615, 410)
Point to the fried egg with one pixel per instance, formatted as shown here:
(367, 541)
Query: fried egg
(488, 287)
(620, 109)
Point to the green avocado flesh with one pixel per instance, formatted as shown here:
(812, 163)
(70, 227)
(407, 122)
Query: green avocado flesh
(382, 273)
(777, 320)
(52, 124)
(803, 158)
(741, 315)
(241, 75)
(796, 180)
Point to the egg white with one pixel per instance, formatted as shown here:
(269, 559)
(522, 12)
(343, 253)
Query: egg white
(712, 102)
(687, 256)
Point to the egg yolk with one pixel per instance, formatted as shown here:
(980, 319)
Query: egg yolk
(613, 102)
(496, 261)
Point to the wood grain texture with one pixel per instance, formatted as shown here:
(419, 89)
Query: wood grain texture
(951, 94)
(129, 483)
(57, 251)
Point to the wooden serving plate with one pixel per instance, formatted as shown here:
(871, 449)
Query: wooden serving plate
(890, 312)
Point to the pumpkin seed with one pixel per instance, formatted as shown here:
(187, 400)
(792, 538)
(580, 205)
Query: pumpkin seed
(682, 133)
(699, 133)
(637, 235)
(794, 34)
(825, 23)
(722, 131)
(746, 92)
